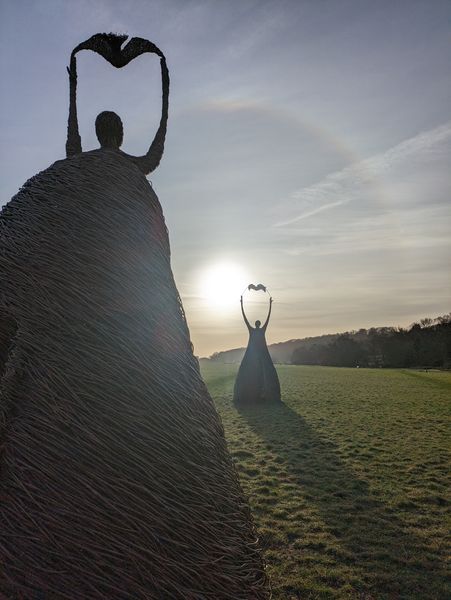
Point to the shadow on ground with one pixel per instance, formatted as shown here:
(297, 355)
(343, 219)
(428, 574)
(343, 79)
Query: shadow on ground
(395, 562)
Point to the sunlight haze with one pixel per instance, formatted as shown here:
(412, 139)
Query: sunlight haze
(221, 284)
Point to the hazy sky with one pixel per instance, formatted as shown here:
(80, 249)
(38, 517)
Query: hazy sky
(309, 144)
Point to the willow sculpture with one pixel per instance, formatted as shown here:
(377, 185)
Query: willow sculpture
(257, 381)
(115, 477)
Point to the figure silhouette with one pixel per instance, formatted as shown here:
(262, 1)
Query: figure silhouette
(257, 381)
(110, 133)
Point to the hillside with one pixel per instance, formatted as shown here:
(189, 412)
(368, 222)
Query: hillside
(281, 352)
(426, 344)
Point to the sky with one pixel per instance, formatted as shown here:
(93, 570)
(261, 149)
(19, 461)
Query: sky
(308, 147)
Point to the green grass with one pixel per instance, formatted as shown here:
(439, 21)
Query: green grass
(347, 480)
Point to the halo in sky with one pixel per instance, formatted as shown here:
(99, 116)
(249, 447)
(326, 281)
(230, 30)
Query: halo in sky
(222, 284)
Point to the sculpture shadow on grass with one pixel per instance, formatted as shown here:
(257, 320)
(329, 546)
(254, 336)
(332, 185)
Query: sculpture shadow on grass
(373, 535)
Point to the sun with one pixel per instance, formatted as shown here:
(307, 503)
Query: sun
(222, 284)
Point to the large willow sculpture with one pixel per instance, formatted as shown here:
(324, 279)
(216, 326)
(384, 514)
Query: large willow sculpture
(115, 478)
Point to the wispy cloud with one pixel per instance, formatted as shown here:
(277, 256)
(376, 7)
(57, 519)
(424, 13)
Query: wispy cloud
(363, 179)
(310, 213)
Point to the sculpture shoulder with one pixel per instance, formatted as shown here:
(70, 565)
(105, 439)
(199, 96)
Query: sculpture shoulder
(106, 168)
(114, 161)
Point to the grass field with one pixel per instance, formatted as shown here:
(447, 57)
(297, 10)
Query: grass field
(347, 480)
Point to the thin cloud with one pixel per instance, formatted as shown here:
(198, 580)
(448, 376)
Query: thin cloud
(358, 180)
(310, 213)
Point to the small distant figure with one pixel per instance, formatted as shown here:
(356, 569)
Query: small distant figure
(257, 381)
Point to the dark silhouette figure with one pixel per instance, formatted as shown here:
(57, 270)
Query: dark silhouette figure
(115, 478)
(257, 381)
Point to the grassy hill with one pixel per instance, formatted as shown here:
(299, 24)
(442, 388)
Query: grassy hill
(347, 480)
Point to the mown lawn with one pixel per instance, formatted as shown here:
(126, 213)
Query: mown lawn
(347, 480)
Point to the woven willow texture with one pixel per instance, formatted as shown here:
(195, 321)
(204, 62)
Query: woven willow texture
(115, 477)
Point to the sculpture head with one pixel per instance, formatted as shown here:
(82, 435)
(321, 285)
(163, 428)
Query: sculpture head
(257, 324)
(109, 130)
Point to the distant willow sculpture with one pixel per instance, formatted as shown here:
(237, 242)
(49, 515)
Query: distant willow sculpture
(257, 381)
(115, 479)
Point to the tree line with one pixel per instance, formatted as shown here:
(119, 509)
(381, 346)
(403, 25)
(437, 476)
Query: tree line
(424, 344)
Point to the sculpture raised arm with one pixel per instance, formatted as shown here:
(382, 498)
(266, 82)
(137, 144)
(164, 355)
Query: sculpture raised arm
(150, 161)
(109, 45)
(269, 314)
(248, 325)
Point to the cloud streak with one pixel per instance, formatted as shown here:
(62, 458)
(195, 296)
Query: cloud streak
(314, 211)
(347, 185)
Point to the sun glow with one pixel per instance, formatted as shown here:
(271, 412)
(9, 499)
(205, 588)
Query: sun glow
(222, 284)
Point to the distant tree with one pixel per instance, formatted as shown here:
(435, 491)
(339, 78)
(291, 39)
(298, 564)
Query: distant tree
(346, 352)
(423, 344)
(427, 322)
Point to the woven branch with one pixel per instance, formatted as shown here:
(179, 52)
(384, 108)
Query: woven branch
(115, 477)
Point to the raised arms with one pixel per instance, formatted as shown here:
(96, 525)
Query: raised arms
(110, 47)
